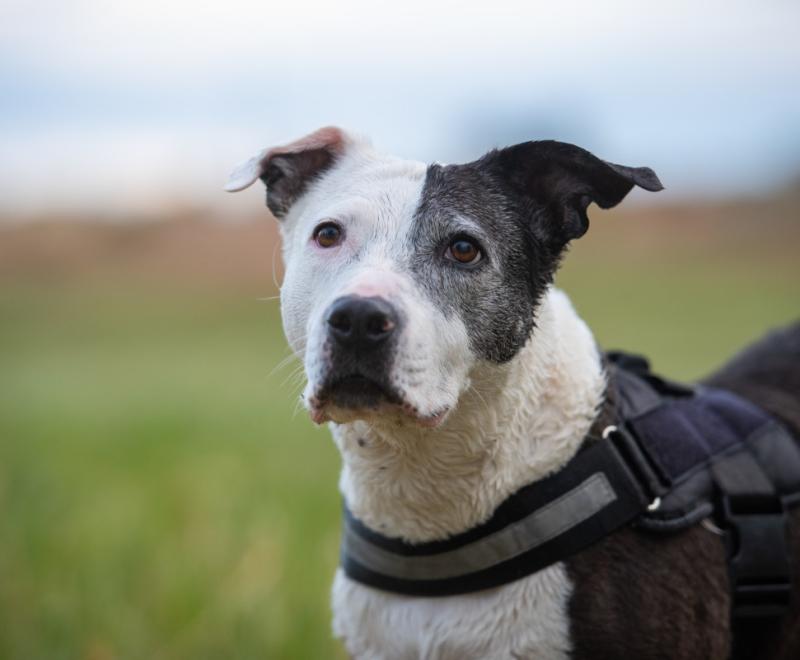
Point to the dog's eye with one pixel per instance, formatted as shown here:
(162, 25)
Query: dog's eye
(464, 251)
(327, 235)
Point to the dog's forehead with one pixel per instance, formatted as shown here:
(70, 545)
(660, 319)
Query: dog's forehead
(385, 187)
(410, 196)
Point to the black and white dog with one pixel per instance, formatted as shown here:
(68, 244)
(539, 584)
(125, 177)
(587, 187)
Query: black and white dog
(453, 373)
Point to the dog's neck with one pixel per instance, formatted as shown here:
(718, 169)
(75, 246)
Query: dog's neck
(515, 424)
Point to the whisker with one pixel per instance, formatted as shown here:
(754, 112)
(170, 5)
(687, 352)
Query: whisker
(297, 406)
(285, 362)
(294, 379)
(274, 261)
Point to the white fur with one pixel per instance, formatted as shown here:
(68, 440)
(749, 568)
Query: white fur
(525, 619)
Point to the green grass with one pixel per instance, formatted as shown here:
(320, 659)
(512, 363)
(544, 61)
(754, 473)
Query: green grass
(159, 498)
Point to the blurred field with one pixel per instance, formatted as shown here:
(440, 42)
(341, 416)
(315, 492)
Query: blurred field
(160, 498)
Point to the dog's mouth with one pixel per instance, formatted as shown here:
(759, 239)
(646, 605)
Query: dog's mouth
(359, 391)
(356, 396)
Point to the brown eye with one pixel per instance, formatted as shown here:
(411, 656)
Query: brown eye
(464, 251)
(327, 235)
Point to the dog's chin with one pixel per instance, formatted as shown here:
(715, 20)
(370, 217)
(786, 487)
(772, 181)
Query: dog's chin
(357, 397)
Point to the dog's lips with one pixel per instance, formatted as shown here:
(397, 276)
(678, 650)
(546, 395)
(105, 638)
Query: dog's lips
(358, 397)
(431, 421)
(358, 391)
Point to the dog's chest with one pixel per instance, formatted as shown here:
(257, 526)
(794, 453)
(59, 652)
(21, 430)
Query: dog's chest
(525, 619)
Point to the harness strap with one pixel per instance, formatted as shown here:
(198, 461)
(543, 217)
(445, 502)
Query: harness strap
(753, 514)
(552, 518)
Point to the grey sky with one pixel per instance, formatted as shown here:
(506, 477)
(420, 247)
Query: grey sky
(128, 105)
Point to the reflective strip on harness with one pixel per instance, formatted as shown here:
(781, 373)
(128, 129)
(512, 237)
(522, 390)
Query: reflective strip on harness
(538, 527)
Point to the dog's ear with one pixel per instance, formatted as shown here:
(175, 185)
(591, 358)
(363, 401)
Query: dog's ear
(562, 180)
(287, 170)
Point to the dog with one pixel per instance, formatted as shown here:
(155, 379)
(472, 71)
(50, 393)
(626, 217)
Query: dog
(452, 373)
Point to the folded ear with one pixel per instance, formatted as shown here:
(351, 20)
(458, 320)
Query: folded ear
(564, 180)
(287, 170)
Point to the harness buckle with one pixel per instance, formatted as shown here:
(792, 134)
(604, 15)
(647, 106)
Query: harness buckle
(758, 555)
(652, 482)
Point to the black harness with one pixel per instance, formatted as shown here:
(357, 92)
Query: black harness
(675, 456)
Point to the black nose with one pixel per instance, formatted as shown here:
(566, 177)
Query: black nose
(361, 323)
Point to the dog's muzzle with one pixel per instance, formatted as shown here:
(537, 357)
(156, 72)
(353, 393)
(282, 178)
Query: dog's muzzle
(361, 344)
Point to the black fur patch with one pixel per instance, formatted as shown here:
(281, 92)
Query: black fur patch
(287, 176)
(526, 203)
(497, 297)
(649, 597)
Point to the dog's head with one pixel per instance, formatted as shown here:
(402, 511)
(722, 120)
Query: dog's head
(402, 277)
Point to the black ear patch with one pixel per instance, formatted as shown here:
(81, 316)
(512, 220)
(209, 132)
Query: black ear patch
(287, 176)
(557, 182)
(288, 169)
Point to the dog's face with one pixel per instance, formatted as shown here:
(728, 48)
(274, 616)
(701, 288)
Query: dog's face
(401, 277)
